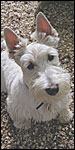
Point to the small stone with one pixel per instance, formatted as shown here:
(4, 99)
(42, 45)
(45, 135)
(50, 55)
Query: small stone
(42, 143)
(44, 138)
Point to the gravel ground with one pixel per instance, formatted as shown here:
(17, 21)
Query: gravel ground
(19, 15)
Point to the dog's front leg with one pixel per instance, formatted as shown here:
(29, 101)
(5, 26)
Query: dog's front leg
(16, 114)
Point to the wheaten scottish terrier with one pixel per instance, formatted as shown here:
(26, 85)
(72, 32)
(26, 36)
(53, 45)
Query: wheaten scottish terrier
(37, 86)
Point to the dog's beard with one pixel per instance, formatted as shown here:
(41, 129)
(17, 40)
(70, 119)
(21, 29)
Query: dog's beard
(38, 86)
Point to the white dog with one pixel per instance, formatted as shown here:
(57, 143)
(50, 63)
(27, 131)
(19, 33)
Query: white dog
(37, 86)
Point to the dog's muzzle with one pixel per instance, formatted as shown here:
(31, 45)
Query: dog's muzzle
(52, 91)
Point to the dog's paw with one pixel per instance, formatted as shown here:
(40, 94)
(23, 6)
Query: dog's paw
(22, 125)
(18, 124)
(65, 117)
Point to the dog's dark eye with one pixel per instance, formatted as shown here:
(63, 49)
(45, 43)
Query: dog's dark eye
(30, 66)
(50, 57)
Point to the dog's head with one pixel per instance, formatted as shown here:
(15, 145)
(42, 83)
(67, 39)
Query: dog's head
(39, 61)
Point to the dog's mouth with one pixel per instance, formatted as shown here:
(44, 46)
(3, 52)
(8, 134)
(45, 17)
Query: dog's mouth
(52, 91)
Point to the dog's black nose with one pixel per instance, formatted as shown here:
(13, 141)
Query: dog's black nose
(52, 91)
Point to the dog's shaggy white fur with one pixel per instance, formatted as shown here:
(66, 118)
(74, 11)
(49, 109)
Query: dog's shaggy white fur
(37, 86)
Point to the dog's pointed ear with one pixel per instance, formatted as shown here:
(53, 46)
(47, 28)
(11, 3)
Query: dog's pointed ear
(45, 33)
(43, 25)
(16, 46)
(11, 38)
